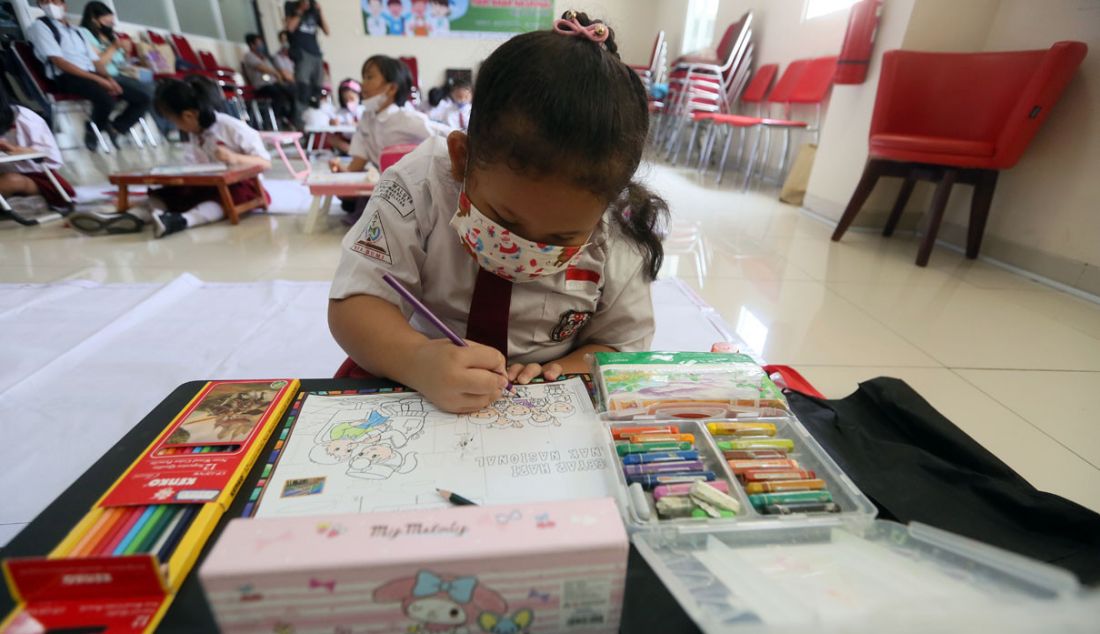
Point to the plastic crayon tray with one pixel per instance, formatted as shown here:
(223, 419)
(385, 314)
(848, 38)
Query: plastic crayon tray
(809, 455)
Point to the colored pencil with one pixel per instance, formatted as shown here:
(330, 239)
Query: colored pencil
(173, 540)
(103, 525)
(146, 528)
(138, 524)
(158, 526)
(167, 531)
(426, 313)
(130, 514)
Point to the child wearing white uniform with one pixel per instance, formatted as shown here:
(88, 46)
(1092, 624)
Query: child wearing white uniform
(24, 132)
(351, 109)
(387, 118)
(215, 138)
(528, 236)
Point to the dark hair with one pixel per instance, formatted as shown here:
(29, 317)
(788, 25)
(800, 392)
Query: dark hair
(93, 11)
(460, 82)
(552, 104)
(389, 2)
(252, 37)
(7, 110)
(194, 92)
(284, 32)
(394, 71)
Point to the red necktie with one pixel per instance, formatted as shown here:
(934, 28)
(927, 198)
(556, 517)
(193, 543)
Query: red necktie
(488, 320)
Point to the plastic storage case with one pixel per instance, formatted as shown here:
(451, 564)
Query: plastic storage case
(843, 571)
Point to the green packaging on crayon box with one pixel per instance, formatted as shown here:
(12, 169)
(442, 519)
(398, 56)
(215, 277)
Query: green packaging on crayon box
(684, 385)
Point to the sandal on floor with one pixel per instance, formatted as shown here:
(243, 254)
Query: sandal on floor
(92, 222)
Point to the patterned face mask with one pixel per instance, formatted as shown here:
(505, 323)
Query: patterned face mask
(504, 254)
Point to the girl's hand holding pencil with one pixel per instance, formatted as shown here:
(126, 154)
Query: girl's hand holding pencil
(459, 379)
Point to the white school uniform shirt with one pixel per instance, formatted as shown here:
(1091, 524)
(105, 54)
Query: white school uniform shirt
(72, 47)
(31, 130)
(604, 297)
(394, 125)
(234, 134)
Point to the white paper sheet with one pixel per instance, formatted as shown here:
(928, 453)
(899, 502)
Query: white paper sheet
(381, 452)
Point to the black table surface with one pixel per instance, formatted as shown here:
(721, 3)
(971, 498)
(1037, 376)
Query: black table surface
(647, 605)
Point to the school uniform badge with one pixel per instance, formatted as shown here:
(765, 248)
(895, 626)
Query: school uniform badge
(571, 321)
(372, 241)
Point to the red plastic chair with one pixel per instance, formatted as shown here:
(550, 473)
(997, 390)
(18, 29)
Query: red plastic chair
(392, 154)
(651, 73)
(957, 118)
(752, 95)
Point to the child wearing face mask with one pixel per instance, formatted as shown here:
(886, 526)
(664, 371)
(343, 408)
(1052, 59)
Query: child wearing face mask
(526, 235)
(387, 117)
(351, 109)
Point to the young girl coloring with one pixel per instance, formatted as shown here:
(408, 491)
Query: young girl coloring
(526, 235)
(24, 132)
(387, 118)
(216, 137)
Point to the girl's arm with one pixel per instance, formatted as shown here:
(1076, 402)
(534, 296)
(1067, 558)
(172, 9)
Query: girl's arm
(572, 363)
(357, 164)
(376, 335)
(236, 159)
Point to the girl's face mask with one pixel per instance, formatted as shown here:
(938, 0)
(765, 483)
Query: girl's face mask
(504, 254)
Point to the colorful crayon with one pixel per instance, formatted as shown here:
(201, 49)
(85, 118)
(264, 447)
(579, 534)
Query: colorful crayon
(780, 486)
(754, 454)
(741, 466)
(761, 500)
(801, 507)
(663, 467)
(651, 438)
(782, 444)
(764, 475)
(650, 480)
(683, 489)
(660, 456)
(741, 429)
(627, 448)
(621, 433)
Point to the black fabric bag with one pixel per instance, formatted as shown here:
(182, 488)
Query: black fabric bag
(916, 465)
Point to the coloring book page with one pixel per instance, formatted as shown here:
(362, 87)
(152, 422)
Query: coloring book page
(361, 453)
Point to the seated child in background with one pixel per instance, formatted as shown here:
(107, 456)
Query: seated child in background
(454, 109)
(215, 137)
(348, 114)
(528, 235)
(387, 117)
(317, 114)
(24, 132)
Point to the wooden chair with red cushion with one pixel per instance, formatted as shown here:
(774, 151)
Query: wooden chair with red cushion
(957, 118)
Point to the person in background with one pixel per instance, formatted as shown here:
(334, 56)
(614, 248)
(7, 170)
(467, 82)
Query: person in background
(454, 109)
(265, 79)
(24, 132)
(215, 137)
(492, 230)
(318, 114)
(387, 118)
(351, 109)
(76, 68)
(303, 20)
(283, 63)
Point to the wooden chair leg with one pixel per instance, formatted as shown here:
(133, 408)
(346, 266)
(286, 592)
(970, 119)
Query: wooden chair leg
(979, 211)
(871, 172)
(939, 204)
(899, 206)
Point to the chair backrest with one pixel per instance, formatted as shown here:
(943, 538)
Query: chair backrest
(1000, 98)
(208, 61)
(155, 38)
(788, 81)
(392, 154)
(815, 81)
(655, 55)
(414, 70)
(730, 55)
(761, 81)
(184, 50)
(32, 67)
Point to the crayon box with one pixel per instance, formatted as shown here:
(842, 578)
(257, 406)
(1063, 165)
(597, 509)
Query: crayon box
(546, 567)
(118, 569)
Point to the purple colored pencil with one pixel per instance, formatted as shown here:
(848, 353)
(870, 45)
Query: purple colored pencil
(426, 313)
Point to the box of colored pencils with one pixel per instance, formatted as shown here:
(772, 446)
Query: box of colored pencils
(121, 565)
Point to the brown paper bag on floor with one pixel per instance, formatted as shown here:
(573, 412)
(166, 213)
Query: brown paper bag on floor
(794, 188)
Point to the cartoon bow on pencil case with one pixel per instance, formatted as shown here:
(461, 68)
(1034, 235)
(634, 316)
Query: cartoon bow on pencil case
(460, 589)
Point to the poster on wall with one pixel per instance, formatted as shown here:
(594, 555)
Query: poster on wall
(456, 18)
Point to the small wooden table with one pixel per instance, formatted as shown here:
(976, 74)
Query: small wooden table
(221, 180)
(325, 186)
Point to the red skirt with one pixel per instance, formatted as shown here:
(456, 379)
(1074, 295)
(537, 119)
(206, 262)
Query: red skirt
(181, 198)
(351, 370)
(46, 188)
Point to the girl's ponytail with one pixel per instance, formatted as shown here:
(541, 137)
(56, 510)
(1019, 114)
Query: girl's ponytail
(642, 215)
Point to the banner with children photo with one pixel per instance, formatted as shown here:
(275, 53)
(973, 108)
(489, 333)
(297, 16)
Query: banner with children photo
(456, 18)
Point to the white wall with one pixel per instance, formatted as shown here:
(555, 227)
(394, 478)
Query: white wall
(1045, 211)
(347, 45)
